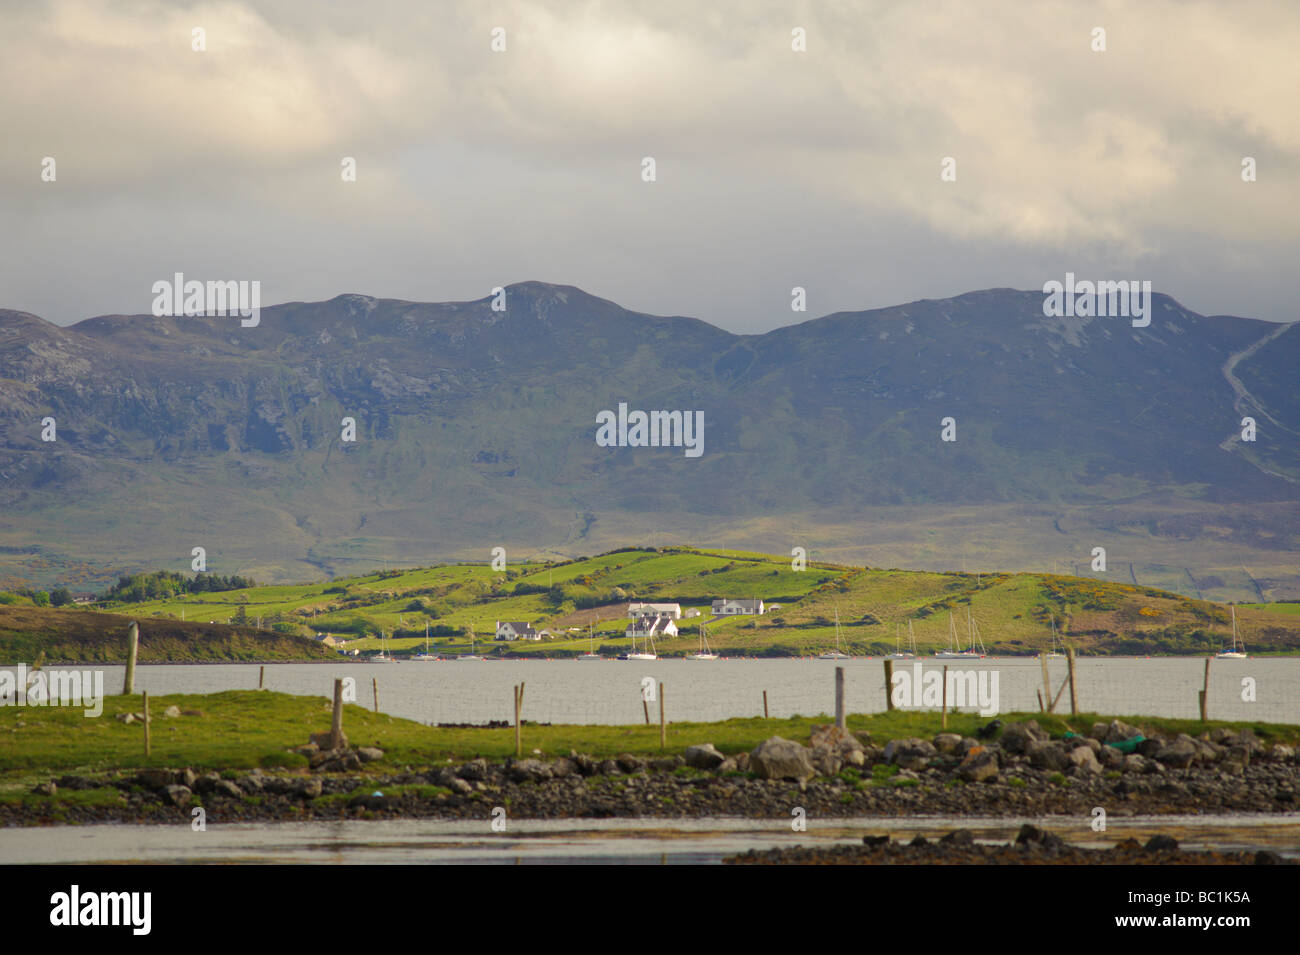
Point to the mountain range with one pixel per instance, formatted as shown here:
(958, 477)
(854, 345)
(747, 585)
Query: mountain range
(476, 429)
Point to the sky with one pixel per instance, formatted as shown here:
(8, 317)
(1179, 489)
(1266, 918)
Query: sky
(774, 167)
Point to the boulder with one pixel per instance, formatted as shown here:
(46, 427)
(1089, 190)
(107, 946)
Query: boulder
(563, 767)
(528, 771)
(225, 787)
(1161, 843)
(910, 753)
(629, 763)
(476, 770)
(45, 789)
(1179, 754)
(1118, 731)
(703, 756)
(177, 795)
(156, 779)
(1018, 738)
(585, 764)
(1048, 755)
(947, 743)
(609, 767)
(368, 754)
(980, 763)
(459, 786)
(1111, 758)
(1085, 759)
(1282, 752)
(322, 740)
(1135, 764)
(309, 788)
(958, 837)
(172, 712)
(778, 758)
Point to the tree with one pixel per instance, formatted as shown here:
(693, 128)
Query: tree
(60, 597)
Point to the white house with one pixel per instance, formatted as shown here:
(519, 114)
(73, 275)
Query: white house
(728, 608)
(516, 630)
(651, 625)
(670, 610)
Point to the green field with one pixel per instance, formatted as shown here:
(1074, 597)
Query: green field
(876, 608)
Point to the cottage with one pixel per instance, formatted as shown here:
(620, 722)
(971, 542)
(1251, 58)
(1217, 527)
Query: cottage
(516, 630)
(651, 625)
(728, 608)
(670, 610)
(328, 640)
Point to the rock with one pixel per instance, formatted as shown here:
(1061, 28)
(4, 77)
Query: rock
(1018, 738)
(475, 770)
(80, 782)
(855, 757)
(777, 758)
(1282, 752)
(563, 768)
(1098, 731)
(46, 789)
(322, 740)
(947, 743)
(918, 840)
(308, 750)
(1084, 758)
(1135, 764)
(629, 763)
(1150, 746)
(206, 783)
(910, 753)
(1179, 754)
(1048, 755)
(826, 761)
(225, 787)
(981, 763)
(528, 771)
(989, 730)
(459, 786)
(126, 717)
(172, 712)
(368, 754)
(1032, 837)
(875, 840)
(155, 779)
(703, 756)
(187, 777)
(609, 767)
(309, 788)
(959, 837)
(742, 762)
(177, 795)
(251, 783)
(1111, 758)
(1118, 731)
(586, 765)
(831, 736)
(1161, 843)
(1267, 857)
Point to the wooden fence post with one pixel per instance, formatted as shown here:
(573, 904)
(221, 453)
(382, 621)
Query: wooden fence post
(519, 695)
(336, 723)
(374, 686)
(839, 697)
(261, 677)
(889, 685)
(1047, 680)
(663, 732)
(146, 722)
(132, 647)
(765, 704)
(1074, 699)
(1204, 695)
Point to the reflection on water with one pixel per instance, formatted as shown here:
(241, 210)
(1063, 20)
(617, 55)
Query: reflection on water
(652, 841)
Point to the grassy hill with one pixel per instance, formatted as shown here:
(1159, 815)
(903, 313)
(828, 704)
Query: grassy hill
(27, 633)
(1012, 613)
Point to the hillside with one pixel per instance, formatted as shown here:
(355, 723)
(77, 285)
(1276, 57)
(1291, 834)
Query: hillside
(1012, 612)
(30, 633)
(476, 429)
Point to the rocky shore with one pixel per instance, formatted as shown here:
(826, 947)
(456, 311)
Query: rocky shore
(1032, 846)
(1016, 771)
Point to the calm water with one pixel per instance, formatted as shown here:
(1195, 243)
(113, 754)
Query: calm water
(571, 691)
(666, 841)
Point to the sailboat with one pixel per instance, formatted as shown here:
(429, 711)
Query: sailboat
(591, 638)
(954, 651)
(471, 655)
(426, 656)
(1055, 653)
(704, 653)
(835, 654)
(382, 656)
(899, 654)
(648, 653)
(1234, 653)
